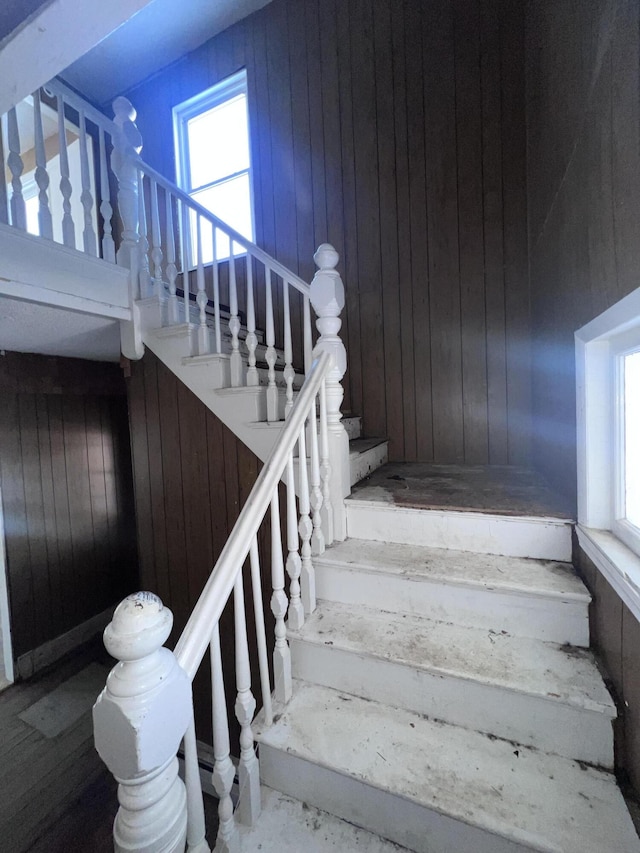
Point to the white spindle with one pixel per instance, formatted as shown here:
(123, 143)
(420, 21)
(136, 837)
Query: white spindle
(68, 228)
(294, 564)
(315, 496)
(216, 291)
(106, 209)
(261, 634)
(184, 237)
(289, 372)
(143, 242)
(4, 202)
(251, 340)
(172, 272)
(308, 341)
(156, 238)
(234, 323)
(204, 342)
(223, 769)
(270, 355)
(196, 828)
(45, 222)
(281, 651)
(325, 469)
(327, 298)
(245, 707)
(16, 167)
(86, 198)
(305, 528)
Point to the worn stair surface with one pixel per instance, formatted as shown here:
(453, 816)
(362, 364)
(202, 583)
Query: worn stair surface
(437, 788)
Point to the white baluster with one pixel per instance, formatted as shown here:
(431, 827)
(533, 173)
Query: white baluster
(270, 355)
(186, 286)
(86, 198)
(281, 651)
(139, 720)
(315, 497)
(106, 209)
(68, 228)
(223, 770)
(216, 291)
(45, 222)
(16, 167)
(325, 469)
(127, 144)
(305, 527)
(4, 202)
(156, 239)
(172, 272)
(245, 707)
(251, 340)
(327, 298)
(237, 378)
(261, 634)
(289, 372)
(196, 828)
(204, 342)
(296, 610)
(143, 242)
(308, 341)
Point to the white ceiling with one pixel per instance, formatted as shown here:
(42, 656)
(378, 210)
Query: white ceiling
(31, 327)
(158, 35)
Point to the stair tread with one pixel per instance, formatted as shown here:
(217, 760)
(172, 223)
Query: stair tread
(423, 563)
(559, 674)
(546, 802)
(361, 445)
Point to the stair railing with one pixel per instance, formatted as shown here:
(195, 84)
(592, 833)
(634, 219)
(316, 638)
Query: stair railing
(146, 708)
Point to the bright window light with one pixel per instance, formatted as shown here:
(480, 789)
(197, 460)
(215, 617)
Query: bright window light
(632, 437)
(211, 133)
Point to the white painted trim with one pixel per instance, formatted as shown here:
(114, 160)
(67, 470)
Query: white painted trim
(617, 563)
(53, 650)
(5, 618)
(52, 38)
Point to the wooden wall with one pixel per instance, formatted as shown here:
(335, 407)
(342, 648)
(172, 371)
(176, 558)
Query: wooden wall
(583, 136)
(67, 498)
(192, 477)
(583, 170)
(395, 130)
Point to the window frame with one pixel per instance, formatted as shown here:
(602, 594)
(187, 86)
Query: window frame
(226, 89)
(611, 542)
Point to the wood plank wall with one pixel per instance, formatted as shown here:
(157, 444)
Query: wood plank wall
(583, 139)
(192, 477)
(395, 130)
(67, 493)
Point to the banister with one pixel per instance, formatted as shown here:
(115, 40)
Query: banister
(235, 236)
(78, 103)
(197, 633)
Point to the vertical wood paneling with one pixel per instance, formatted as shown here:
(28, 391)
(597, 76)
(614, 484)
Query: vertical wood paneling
(69, 549)
(395, 131)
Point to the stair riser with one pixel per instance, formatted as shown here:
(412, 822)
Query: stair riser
(396, 818)
(475, 532)
(552, 619)
(545, 724)
(370, 460)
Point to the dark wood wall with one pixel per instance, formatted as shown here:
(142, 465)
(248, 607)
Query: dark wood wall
(583, 138)
(583, 164)
(67, 496)
(394, 130)
(192, 477)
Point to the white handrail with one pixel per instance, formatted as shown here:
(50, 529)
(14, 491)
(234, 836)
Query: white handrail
(196, 636)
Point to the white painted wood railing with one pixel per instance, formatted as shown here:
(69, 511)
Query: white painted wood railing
(146, 708)
(54, 148)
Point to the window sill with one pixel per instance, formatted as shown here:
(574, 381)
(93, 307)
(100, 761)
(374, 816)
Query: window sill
(619, 565)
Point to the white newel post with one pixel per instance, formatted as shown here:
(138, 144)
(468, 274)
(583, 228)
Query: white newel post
(139, 720)
(327, 298)
(127, 144)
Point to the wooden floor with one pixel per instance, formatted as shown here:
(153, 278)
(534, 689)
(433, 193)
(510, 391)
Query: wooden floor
(55, 793)
(496, 489)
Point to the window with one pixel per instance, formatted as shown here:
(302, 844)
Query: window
(608, 434)
(211, 133)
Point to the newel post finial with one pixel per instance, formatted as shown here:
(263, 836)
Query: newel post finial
(327, 298)
(127, 144)
(139, 720)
